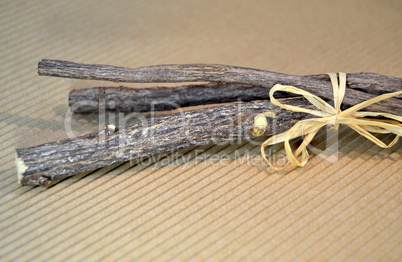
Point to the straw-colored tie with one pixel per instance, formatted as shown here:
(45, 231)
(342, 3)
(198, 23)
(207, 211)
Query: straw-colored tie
(328, 115)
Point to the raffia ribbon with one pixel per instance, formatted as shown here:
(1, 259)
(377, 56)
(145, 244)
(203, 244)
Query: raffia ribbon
(329, 116)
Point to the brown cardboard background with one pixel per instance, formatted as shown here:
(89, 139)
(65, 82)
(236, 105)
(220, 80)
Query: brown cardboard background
(349, 209)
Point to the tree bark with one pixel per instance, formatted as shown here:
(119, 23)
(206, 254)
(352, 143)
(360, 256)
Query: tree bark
(125, 99)
(41, 164)
(228, 74)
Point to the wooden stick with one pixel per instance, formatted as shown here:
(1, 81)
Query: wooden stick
(125, 99)
(41, 164)
(219, 73)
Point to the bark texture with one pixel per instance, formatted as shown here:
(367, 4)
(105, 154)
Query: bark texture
(125, 99)
(229, 74)
(41, 164)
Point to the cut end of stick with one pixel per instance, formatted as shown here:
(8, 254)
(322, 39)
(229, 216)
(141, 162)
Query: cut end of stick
(28, 180)
(21, 168)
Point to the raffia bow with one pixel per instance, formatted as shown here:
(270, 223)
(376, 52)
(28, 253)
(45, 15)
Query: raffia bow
(329, 116)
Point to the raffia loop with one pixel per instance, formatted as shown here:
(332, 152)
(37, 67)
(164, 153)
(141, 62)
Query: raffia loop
(331, 115)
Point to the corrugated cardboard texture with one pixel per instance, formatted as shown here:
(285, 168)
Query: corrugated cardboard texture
(214, 202)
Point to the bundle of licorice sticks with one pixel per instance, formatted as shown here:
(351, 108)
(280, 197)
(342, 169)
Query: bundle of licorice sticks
(244, 92)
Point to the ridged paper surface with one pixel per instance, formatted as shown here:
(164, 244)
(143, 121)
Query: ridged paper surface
(215, 202)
